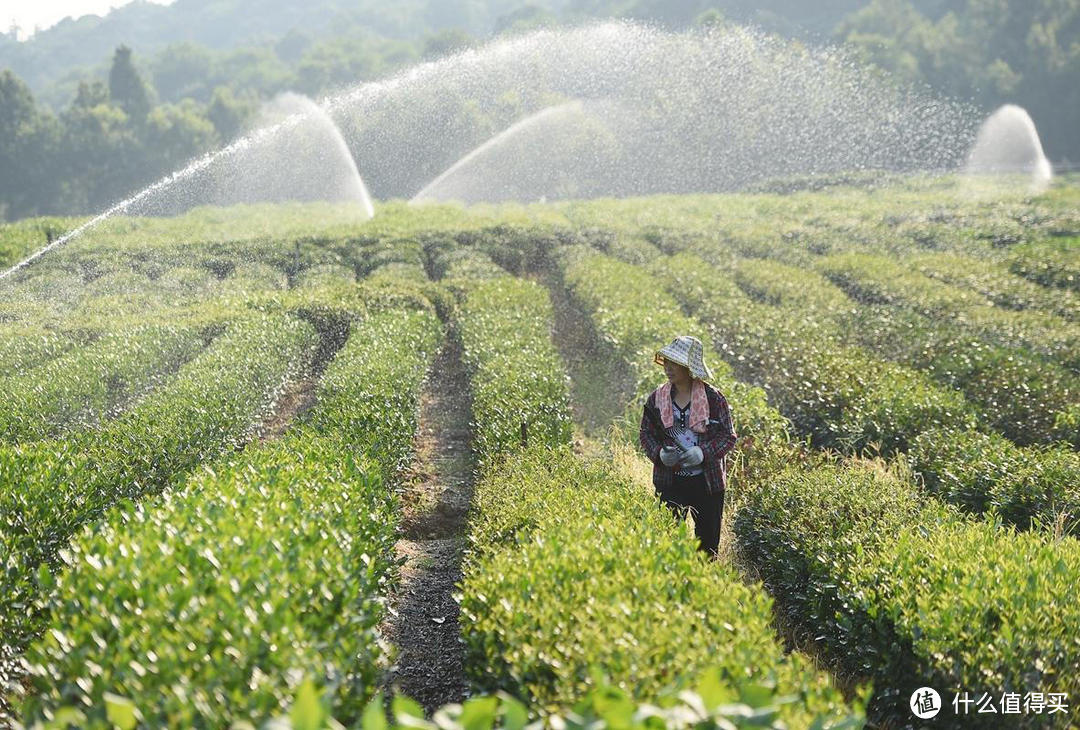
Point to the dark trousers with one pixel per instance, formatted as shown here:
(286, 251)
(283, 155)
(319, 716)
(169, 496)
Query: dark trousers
(689, 494)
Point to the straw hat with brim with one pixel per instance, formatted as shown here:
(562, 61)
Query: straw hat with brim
(688, 351)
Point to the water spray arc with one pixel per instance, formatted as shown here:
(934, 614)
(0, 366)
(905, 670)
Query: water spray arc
(565, 150)
(311, 162)
(710, 111)
(1008, 143)
(297, 136)
(704, 111)
(161, 185)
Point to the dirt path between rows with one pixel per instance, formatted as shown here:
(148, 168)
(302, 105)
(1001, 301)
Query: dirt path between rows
(423, 616)
(599, 385)
(296, 399)
(300, 394)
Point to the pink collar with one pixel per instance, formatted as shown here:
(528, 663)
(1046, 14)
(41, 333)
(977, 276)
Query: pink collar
(699, 406)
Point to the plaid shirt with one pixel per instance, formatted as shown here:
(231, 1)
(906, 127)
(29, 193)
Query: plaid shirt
(718, 439)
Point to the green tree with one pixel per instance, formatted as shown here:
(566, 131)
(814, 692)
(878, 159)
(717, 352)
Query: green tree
(292, 46)
(256, 69)
(126, 87)
(338, 63)
(527, 17)
(101, 156)
(90, 94)
(445, 42)
(991, 51)
(183, 70)
(28, 142)
(670, 12)
(439, 14)
(888, 33)
(711, 18)
(176, 133)
(230, 113)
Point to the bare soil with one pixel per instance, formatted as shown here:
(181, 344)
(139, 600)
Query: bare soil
(300, 395)
(423, 617)
(600, 385)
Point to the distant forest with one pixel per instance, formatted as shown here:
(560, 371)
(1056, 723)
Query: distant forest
(95, 108)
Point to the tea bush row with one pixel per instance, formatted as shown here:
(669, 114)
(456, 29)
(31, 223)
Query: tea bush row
(1027, 486)
(325, 275)
(104, 268)
(576, 577)
(39, 296)
(22, 238)
(24, 347)
(706, 703)
(122, 290)
(52, 488)
(519, 386)
(906, 591)
(879, 280)
(574, 573)
(1012, 390)
(88, 385)
(394, 342)
(842, 397)
(772, 559)
(995, 282)
(634, 318)
(448, 260)
(1049, 263)
(1021, 394)
(269, 567)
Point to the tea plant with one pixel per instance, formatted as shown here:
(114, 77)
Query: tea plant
(92, 383)
(576, 578)
(909, 593)
(1027, 487)
(53, 488)
(519, 385)
(634, 318)
(271, 565)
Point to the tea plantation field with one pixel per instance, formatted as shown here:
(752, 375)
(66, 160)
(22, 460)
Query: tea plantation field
(182, 545)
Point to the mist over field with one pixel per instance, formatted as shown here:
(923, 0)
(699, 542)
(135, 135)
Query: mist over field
(97, 108)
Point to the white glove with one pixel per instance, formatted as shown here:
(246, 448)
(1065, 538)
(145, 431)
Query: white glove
(669, 455)
(692, 457)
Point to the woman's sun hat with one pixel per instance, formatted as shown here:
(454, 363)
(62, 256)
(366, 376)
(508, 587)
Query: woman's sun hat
(688, 351)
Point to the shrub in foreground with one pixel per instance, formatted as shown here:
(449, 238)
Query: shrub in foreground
(51, 489)
(908, 592)
(577, 576)
(212, 602)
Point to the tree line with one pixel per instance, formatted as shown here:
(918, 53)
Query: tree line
(119, 134)
(95, 134)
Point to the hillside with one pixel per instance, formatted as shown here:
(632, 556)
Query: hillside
(216, 24)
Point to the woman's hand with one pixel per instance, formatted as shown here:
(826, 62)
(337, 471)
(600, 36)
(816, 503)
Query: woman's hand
(692, 457)
(669, 455)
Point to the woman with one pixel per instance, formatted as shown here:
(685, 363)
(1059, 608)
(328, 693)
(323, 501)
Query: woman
(686, 431)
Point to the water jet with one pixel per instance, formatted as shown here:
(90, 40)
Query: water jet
(1008, 145)
(713, 110)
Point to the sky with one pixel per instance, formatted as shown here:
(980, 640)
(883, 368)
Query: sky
(28, 14)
